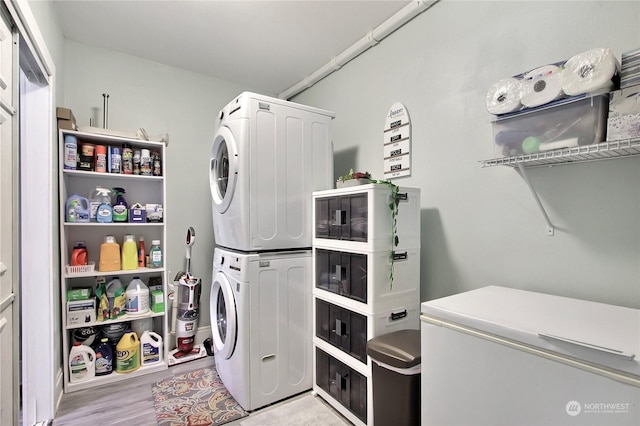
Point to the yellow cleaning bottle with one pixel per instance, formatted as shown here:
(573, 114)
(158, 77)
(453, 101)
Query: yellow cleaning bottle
(129, 253)
(109, 255)
(128, 353)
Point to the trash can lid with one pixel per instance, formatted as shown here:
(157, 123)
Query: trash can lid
(400, 349)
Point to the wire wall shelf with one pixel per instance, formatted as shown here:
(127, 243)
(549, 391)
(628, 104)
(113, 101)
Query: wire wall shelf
(583, 153)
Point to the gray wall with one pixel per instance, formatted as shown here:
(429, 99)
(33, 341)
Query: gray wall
(479, 226)
(482, 226)
(160, 99)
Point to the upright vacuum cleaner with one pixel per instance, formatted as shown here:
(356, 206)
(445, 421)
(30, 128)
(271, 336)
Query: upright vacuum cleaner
(186, 311)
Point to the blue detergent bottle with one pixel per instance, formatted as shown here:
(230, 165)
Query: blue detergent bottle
(104, 358)
(77, 209)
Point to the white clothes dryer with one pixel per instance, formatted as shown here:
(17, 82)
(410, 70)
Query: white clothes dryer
(261, 319)
(268, 156)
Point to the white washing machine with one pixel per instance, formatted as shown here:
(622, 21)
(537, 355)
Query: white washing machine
(268, 156)
(262, 326)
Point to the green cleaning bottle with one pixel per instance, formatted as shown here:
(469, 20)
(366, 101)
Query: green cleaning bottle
(120, 207)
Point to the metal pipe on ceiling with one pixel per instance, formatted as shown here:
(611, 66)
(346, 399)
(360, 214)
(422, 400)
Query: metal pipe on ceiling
(369, 40)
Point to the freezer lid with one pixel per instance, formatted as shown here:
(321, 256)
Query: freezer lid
(603, 335)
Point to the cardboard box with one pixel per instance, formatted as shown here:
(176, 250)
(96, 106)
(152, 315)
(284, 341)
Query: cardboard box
(81, 312)
(66, 120)
(137, 213)
(65, 114)
(154, 212)
(624, 114)
(78, 294)
(157, 301)
(67, 125)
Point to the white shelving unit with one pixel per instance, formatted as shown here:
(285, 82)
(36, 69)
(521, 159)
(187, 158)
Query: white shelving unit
(579, 154)
(139, 189)
(353, 297)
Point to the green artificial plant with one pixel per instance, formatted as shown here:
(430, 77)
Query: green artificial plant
(393, 205)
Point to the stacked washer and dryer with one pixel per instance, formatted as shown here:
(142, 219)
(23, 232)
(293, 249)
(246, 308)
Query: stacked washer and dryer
(267, 158)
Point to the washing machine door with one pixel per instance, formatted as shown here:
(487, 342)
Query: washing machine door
(223, 172)
(224, 317)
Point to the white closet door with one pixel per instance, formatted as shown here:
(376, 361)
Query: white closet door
(8, 340)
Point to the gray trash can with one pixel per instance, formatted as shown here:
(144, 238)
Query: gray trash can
(396, 378)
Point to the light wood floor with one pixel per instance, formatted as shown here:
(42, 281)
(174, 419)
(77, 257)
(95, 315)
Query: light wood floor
(123, 403)
(128, 402)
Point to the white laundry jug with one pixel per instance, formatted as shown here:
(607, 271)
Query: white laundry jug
(81, 363)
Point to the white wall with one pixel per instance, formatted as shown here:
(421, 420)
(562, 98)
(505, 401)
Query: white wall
(49, 25)
(160, 99)
(482, 226)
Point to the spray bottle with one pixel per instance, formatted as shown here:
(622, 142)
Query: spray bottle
(120, 207)
(100, 201)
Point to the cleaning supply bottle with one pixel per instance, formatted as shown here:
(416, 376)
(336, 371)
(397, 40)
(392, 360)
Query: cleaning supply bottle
(70, 152)
(104, 358)
(128, 353)
(97, 197)
(81, 363)
(151, 348)
(120, 206)
(77, 209)
(109, 255)
(137, 297)
(117, 298)
(129, 253)
(141, 253)
(155, 255)
(79, 255)
(101, 159)
(104, 212)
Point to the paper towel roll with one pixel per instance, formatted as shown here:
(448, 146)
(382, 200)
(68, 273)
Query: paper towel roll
(590, 71)
(541, 85)
(504, 96)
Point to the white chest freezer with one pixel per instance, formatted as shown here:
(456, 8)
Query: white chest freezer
(501, 356)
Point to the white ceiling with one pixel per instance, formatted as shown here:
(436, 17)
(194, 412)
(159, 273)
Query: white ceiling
(265, 45)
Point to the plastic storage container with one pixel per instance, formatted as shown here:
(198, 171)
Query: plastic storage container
(137, 297)
(129, 253)
(116, 297)
(396, 377)
(155, 255)
(151, 348)
(109, 255)
(565, 124)
(359, 218)
(104, 358)
(128, 353)
(81, 363)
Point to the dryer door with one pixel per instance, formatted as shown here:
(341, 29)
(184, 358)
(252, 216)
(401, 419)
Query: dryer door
(224, 318)
(223, 172)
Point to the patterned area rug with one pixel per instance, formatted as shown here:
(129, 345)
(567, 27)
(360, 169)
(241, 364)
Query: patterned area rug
(197, 398)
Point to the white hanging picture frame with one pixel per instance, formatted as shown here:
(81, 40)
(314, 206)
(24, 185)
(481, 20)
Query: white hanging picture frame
(397, 142)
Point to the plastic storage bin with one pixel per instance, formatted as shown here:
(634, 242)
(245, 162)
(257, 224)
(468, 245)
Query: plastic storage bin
(343, 383)
(396, 377)
(364, 276)
(565, 124)
(359, 218)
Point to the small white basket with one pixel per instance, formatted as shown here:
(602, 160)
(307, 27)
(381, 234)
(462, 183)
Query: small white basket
(81, 269)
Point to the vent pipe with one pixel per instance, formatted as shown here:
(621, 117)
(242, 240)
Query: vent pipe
(372, 38)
